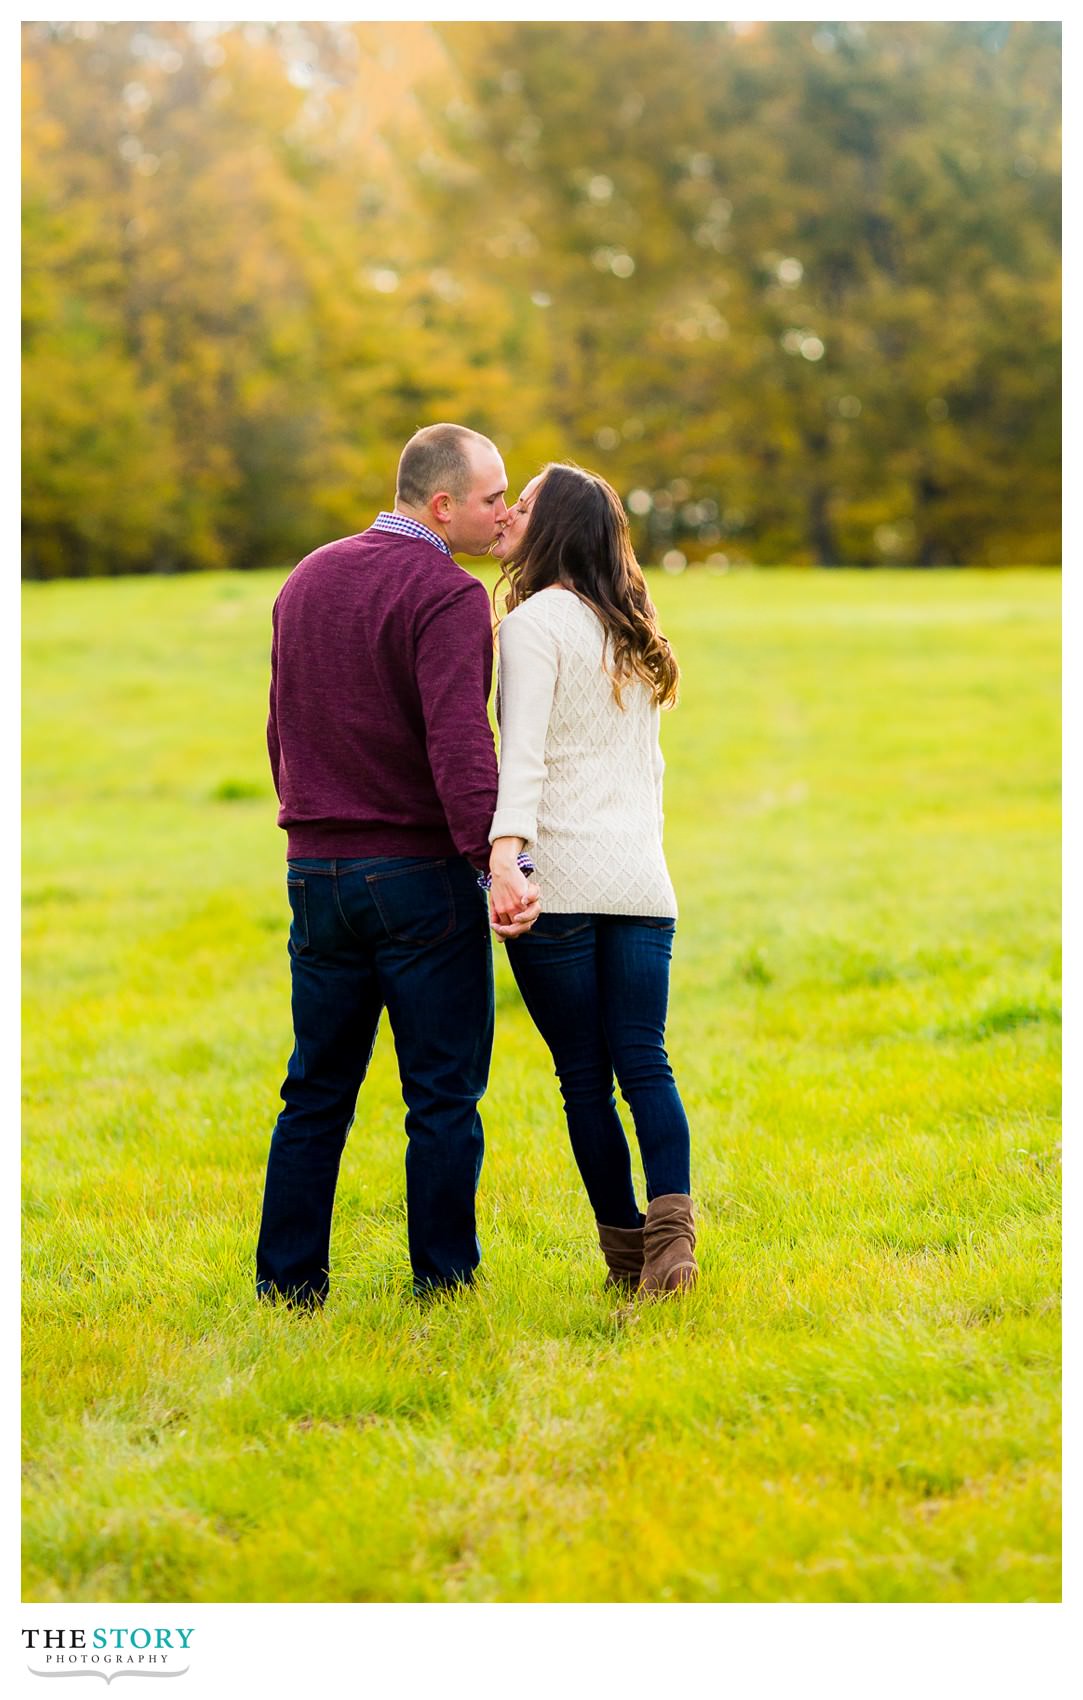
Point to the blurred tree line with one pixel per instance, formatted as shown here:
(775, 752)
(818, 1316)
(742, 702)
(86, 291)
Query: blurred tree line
(794, 288)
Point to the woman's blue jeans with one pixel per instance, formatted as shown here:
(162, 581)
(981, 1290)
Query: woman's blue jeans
(597, 987)
(409, 935)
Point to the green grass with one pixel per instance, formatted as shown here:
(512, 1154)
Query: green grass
(860, 1402)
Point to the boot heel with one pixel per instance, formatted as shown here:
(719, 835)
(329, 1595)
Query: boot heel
(669, 1244)
(622, 1249)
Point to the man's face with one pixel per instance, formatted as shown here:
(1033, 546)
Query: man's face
(514, 529)
(472, 524)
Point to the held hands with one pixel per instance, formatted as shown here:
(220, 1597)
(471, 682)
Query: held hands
(523, 920)
(514, 903)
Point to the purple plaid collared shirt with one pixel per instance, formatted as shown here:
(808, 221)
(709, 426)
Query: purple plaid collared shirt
(406, 527)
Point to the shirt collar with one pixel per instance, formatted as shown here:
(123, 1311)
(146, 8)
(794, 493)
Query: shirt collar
(403, 526)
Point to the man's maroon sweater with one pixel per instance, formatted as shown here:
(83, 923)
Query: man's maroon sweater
(381, 663)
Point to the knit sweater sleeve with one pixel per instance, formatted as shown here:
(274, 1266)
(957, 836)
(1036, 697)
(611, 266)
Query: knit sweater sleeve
(454, 658)
(659, 770)
(528, 676)
(274, 746)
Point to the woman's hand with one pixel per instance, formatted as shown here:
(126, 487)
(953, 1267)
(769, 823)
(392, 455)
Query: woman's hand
(524, 920)
(514, 904)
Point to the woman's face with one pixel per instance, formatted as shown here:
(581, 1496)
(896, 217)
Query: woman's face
(510, 539)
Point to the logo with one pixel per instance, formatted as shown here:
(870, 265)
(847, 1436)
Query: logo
(108, 1653)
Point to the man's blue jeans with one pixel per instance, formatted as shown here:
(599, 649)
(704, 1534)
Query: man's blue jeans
(409, 934)
(597, 987)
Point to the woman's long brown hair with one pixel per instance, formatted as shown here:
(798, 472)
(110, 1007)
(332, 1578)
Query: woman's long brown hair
(578, 536)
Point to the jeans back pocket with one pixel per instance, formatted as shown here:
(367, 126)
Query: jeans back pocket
(415, 904)
(295, 889)
(558, 927)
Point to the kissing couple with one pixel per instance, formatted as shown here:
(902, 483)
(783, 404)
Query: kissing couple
(406, 848)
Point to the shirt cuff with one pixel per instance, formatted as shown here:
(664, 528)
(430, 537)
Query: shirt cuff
(526, 866)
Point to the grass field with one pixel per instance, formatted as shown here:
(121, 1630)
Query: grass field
(860, 1402)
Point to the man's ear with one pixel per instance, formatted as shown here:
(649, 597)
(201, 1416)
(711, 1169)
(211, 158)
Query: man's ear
(441, 506)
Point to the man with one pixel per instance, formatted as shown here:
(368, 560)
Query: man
(383, 760)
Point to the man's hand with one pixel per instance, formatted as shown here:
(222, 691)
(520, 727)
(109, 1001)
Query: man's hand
(508, 892)
(514, 905)
(523, 919)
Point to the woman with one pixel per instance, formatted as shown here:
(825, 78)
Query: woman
(583, 673)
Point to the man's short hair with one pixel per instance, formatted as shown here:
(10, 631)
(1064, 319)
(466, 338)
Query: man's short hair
(436, 458)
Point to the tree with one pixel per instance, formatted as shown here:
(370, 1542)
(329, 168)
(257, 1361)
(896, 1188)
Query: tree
(794, 288)
(814, 269)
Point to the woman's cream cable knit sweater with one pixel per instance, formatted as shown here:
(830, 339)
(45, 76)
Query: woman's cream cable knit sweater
(580, 778)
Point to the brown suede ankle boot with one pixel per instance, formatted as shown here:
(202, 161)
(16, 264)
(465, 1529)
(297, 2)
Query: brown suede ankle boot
(669, 1244)
(622, 1249)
